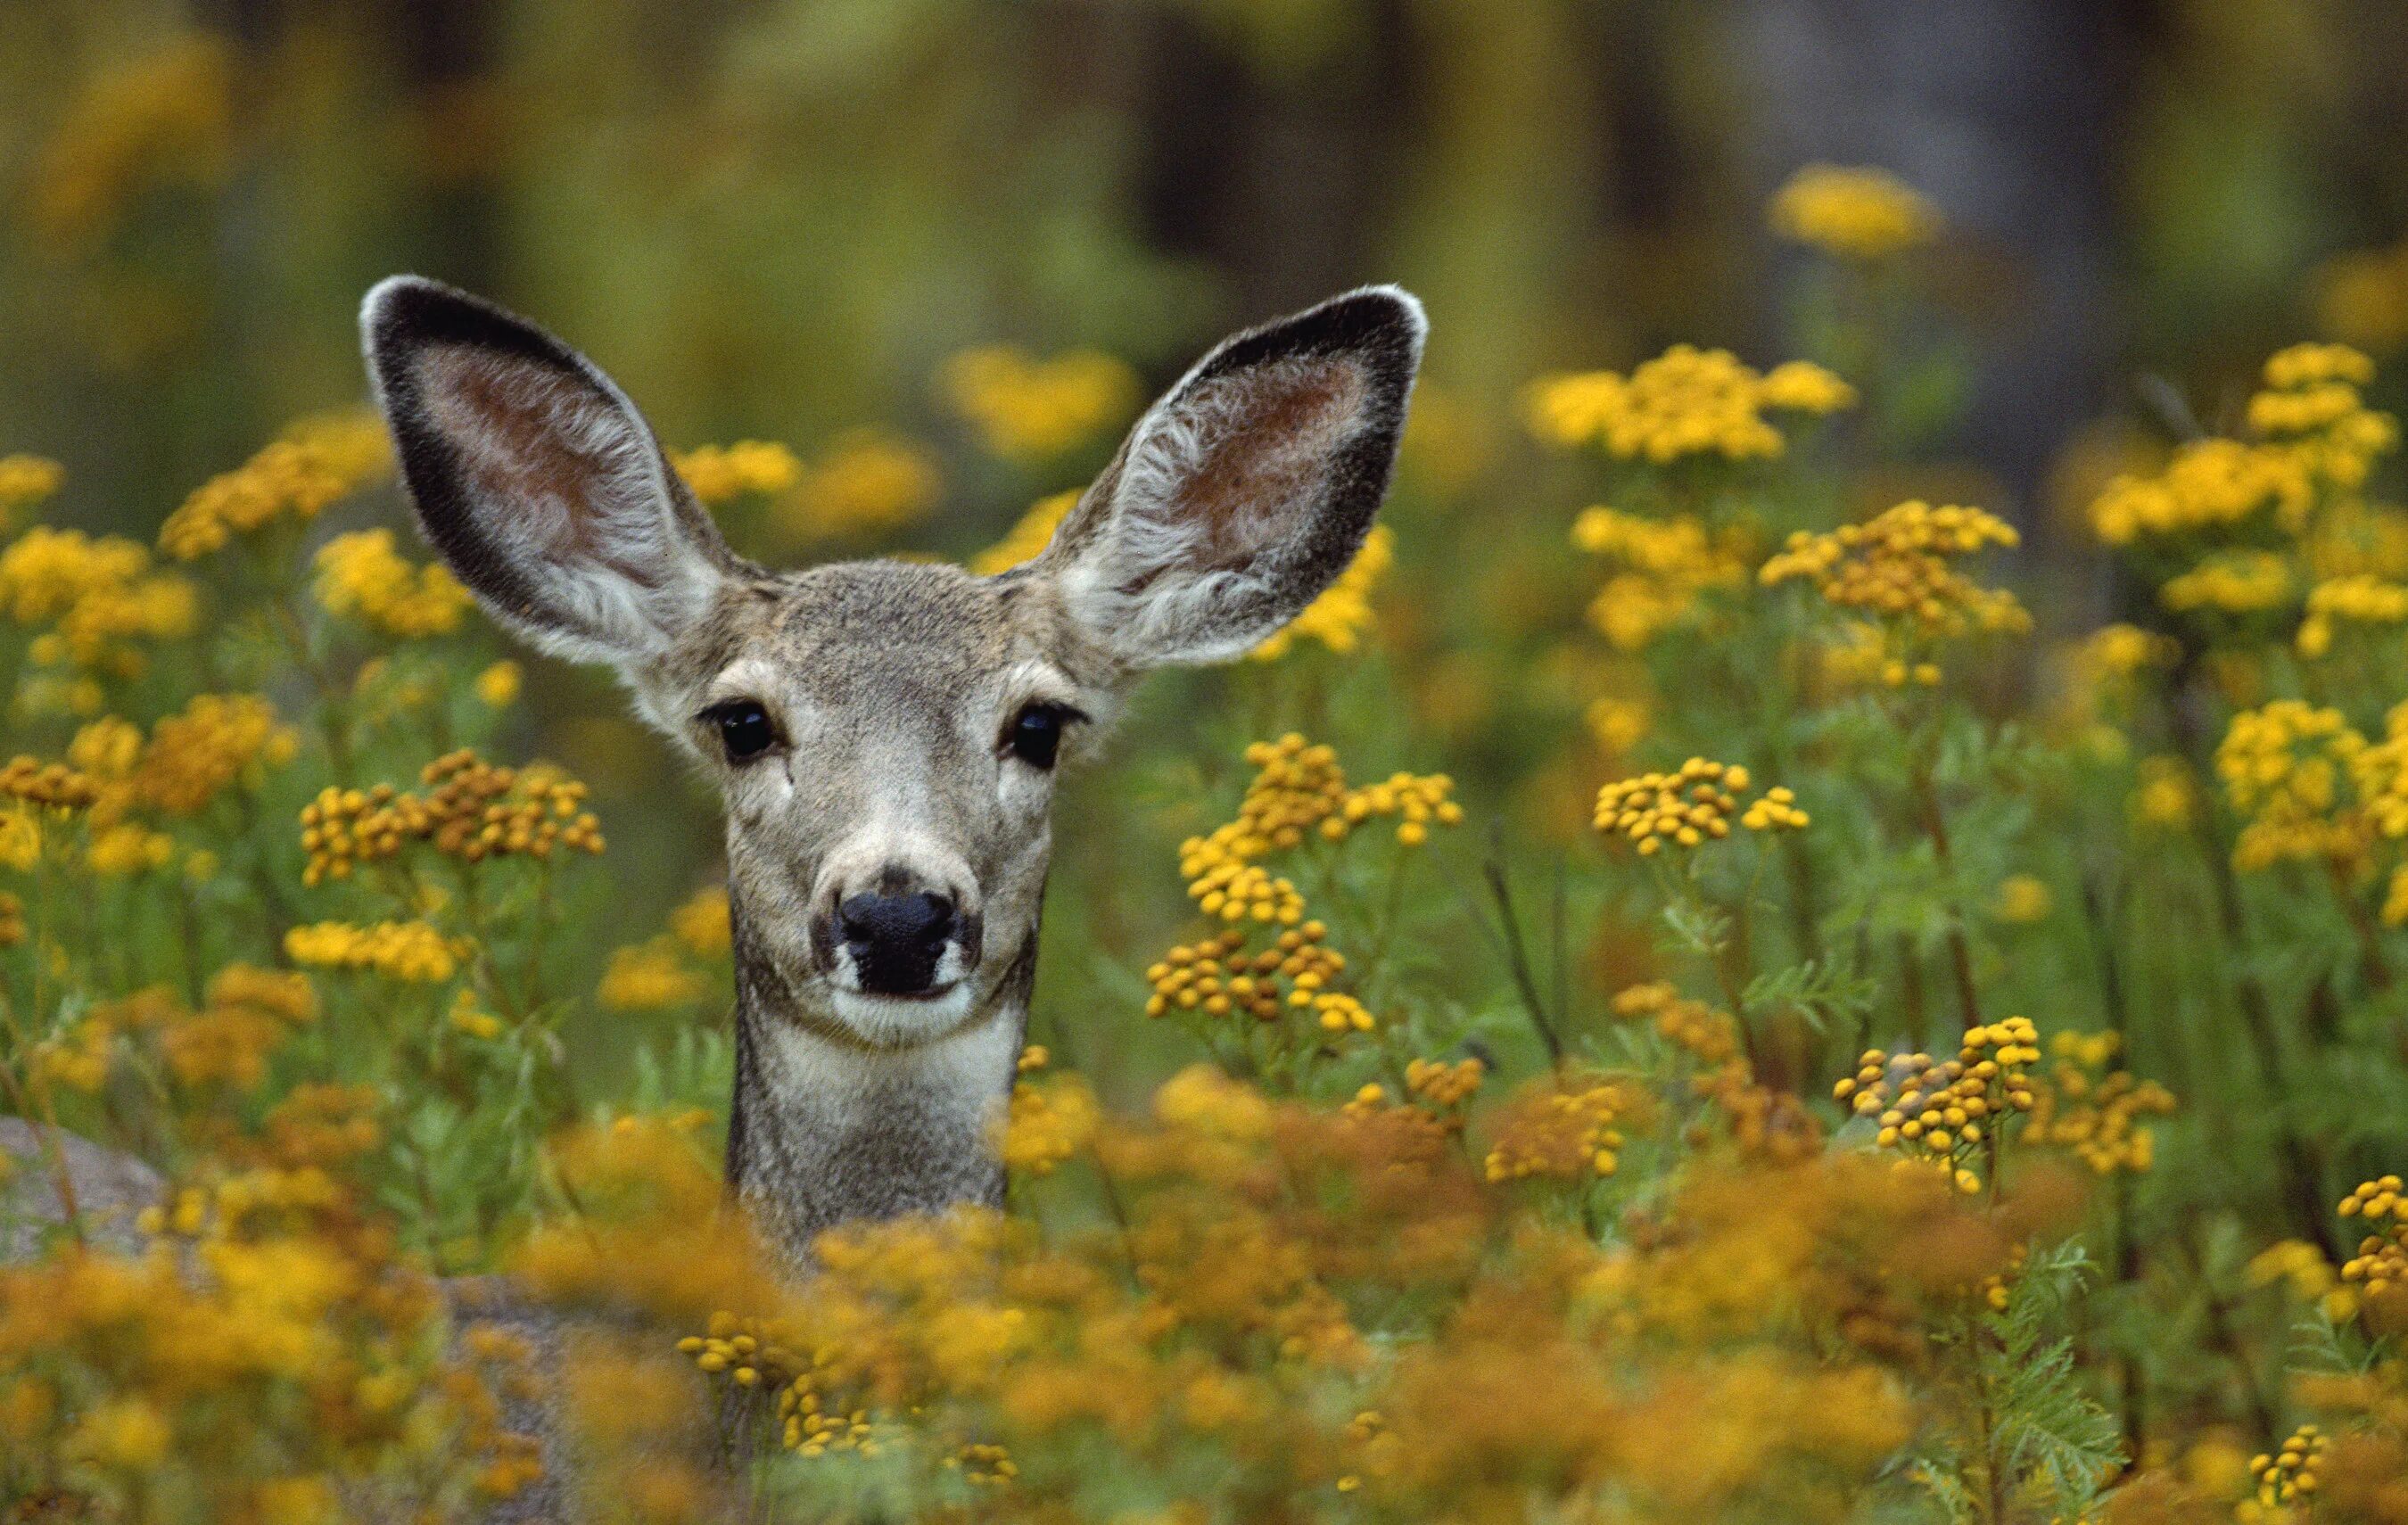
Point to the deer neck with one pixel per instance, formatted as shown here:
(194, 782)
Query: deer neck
(825, 1128)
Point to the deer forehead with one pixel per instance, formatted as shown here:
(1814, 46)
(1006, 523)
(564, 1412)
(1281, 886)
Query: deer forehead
(888, 644)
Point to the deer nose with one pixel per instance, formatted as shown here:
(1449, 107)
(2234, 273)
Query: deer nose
(897, 940)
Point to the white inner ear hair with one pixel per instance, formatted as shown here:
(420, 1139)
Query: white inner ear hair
(1220, 479)
(566, 486)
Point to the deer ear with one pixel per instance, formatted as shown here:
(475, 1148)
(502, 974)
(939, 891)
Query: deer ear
(536, 480)
(1246, 490)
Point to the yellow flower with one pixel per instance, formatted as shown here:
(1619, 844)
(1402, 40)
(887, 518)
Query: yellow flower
(25, 480)
(128, 1434)
(473, 1019)
(2022, 898)
(2210, 484)
(362, 575)
(720, 474)
(649, 976)
(1030, 409)
(411, 951)
(2230, 582)
(1339, 618)
(1856, 213)
(870, 481)
(1896, 567)
(1691, 806)
(1026, 538)
(1666, 567)
(316, 462)
(499, 686)
(124, 850)
(1047, 1124)
(96, 595)
(2168, 795)
(702, 924)
(1946, 1113)
(2285, 767)
(1685, 403)
(2352, 600)
(217, 741)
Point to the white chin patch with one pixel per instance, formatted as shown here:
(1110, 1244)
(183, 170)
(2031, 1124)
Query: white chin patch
(901, 1019)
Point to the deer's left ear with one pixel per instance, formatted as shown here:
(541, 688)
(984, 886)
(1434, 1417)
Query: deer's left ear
(1246, 490)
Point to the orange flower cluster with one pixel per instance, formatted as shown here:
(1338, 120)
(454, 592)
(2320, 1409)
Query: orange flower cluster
(1945, 1112)
(1218, 977)
(473, 811)
(1691, 805)
(1897, 568)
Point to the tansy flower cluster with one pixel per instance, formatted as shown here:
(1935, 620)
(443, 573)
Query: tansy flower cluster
(2381, 1263)
(1896, 568)
(1690, 806)
(1686, 404)
(315, 463)
(720, 474)
(415, 952)
(93, 600)
(1218, 977)
(1856, 213)
(2286, 768)
(362, 575)
(2358, 600)
(246, 1015)
(1560, 1129)
(25, 480)
(2211, 485)
(471, 810)
(1690, 1027)
(2095, 1113)
(1030, 410)
(1947, 1111)
(2288, 1477)
(1664, 569)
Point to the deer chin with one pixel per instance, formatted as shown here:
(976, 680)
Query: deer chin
(904, 1021)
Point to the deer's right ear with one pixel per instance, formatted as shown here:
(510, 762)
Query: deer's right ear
(536, 480)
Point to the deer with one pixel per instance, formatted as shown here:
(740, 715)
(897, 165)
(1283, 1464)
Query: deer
(883, 735)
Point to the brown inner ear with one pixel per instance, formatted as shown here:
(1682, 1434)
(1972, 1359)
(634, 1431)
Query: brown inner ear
(1269, 440)
(516, 429)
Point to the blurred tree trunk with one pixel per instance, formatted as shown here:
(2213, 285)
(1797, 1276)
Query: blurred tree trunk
(2004, 112)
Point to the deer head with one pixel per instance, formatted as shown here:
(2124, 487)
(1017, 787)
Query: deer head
(885, 735)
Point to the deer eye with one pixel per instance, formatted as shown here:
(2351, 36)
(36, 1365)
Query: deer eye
(744, 728)
(1035, 735)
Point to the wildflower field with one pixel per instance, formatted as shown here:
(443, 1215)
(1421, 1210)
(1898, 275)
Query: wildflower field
(1687, 986)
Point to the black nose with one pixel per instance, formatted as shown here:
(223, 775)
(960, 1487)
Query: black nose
(895, 940)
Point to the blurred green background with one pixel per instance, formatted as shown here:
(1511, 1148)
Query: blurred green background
(777, 219)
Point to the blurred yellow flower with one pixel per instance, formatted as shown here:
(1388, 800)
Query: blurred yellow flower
(1685, 403)
(363, 576)
(702, 923)
(1030, 410)
(649, 976)
(868, 483)
(720, 474)
(316, 462)
(2021, 899)
(1856, 213)
(499, 686)
(412, 951)
(25, 480)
